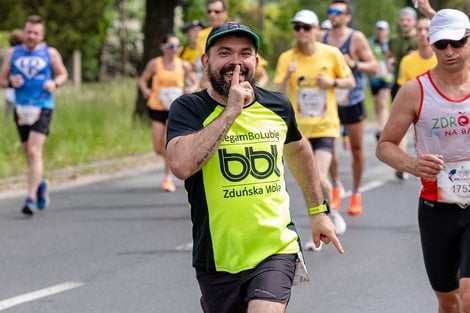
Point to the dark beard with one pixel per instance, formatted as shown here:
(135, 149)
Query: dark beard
(220, 85)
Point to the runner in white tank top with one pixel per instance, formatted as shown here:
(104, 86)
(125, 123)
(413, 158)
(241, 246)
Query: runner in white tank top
(443, 128)
(438, 104)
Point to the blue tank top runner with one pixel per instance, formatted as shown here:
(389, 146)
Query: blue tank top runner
(357, 94)
(36, 69)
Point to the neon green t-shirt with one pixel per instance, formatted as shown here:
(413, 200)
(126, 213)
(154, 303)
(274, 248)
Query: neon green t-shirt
(239, 202)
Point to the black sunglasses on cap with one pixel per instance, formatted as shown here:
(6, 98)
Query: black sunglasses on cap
(304, 27)
(442, 44)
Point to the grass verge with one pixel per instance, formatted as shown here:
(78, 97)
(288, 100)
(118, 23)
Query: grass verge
(93, 122)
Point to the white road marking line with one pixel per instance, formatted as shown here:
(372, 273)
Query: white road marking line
(27, 297)
(185, 247)
(366, 187)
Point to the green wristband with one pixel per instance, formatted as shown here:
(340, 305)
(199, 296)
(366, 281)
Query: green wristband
(318, 209)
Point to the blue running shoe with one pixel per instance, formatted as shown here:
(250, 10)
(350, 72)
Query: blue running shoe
(29, 207)
(42, 195)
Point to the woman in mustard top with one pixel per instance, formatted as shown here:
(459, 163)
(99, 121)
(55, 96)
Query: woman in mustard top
(169, 74)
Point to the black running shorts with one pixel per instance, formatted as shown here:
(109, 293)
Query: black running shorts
(375, 88)
(445, 239)
(323, 143)
(352, 114)
(158, 116)
(271, 280)
(40, 126)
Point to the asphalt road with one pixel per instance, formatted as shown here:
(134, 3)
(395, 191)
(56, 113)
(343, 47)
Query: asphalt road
(119, 244)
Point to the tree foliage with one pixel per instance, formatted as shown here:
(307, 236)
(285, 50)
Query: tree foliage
(122, 50)
(70, 25)
(271, 18)
(85, 24)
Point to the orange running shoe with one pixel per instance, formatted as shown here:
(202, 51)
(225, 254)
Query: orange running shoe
(168, 185)
(336, 194)
(355, 205)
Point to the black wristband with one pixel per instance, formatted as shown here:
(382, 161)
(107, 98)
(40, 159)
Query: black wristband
(335, 83)
(10, 85)
(56, 84)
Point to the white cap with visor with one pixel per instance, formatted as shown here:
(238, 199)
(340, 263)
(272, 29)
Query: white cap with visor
(448, 24)
(306, 17)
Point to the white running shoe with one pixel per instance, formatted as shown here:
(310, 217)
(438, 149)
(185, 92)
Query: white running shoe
(310, 246)
(338, 221)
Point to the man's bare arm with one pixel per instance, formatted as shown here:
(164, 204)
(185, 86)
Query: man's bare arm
(367, 62)
(301, 161)
(282, 86)
(6, 69)
(146, 75)
(404, 111)
(424, 6)
(187, 154)
(58, 67)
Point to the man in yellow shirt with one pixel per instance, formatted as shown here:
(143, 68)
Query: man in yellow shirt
(309, 74)
(217, 14)
(189, 52)
(421, 60)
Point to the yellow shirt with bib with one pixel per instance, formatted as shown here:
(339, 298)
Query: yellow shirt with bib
(316, 108)
(167, 85)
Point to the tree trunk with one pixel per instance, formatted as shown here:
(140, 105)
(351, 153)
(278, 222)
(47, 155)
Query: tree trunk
(158, 22)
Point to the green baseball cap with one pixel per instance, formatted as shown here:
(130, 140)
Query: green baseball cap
(229, 29)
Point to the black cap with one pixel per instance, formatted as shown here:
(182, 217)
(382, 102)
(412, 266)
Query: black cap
(231, 28)
(189, 25)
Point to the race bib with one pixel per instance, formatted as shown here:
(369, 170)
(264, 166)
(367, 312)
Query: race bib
(383, 70)
(453, 183)
(27, 114)
(300, 274)
(168, 95)
(312, 102)
(342, 97)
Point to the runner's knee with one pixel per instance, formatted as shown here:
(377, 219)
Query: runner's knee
(448, 302)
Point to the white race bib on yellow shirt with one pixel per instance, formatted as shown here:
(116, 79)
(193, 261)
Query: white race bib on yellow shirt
(311, 102)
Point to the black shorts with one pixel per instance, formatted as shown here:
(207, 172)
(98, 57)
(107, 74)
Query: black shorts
(158, 116)
(352, 114)
(445, 239)
(377, 86)
(323, 143)
(271, 280)
(394, 90)
(40, 126)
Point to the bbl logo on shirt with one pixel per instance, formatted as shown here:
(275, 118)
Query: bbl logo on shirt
(248, 164)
